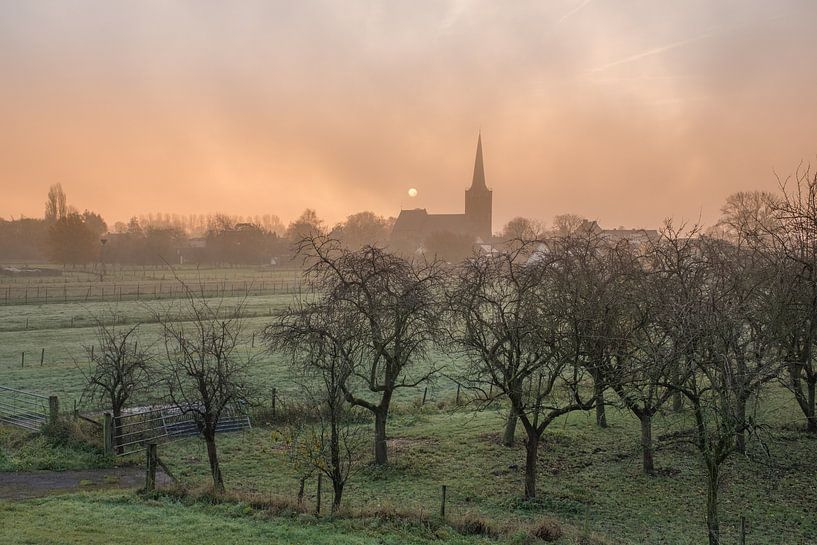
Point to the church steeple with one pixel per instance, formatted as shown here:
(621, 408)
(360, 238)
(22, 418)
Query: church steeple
(478, 199)
(478, 181)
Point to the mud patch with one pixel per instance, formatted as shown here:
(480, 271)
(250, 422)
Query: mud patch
(36, 484)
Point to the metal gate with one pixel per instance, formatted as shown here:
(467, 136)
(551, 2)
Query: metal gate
(23, 409)
(132, 431)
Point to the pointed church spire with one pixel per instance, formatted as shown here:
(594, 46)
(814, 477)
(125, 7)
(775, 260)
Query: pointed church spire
(478, 181)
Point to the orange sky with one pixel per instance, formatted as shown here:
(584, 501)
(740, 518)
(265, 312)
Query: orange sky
(622, 111)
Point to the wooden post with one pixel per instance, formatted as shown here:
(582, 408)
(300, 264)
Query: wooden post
(76, 411)
(253, 340)
(107, 433)
(26, 324)
(442, 502)
(425, 392)
(42, 357)
(458, 393)
(742, 530)
(53, 409)
(92, 352)
(22, 359)
(151, 461)
(274, 396)
(318, 499)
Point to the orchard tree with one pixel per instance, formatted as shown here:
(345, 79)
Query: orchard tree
(205, 374)
(323, 348)
(792, 240)
(512, 337)
(708, 297)
(393, 306)
(120, 368)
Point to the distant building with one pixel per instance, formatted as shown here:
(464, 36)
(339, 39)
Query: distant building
(416, 225)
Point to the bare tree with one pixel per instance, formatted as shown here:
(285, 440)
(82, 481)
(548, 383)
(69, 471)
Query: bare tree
(323, 347)
(706, 315)
(205, 374)
(793, 241)
(512, 336)
(119, 369)
(393, 306)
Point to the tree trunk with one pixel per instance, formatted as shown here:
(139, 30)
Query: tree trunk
(646, 443)
(301, 485)
(531, 458)
(811, 417)
(381, 456)
(510, 428)
(740, 437)
(215, 469)
(337, 468)
(601, 416)
(677, 401)
(337, 490)
(805, 400)
(712, 522)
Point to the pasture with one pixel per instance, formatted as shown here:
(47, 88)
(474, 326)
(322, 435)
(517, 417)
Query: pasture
(590, 479)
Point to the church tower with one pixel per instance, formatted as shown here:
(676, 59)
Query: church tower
(478, 199)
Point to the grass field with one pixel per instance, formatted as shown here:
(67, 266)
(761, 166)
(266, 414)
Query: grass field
(589, 478)
(104, 518)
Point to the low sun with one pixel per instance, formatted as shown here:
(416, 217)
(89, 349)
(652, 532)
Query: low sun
(412, 192)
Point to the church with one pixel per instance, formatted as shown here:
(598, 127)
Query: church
(416, 225)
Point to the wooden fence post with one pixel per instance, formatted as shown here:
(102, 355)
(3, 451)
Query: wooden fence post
(442, 502)
(742, 530)
(42, 357)
(53, 409)
(107, 433)
(425, 392)
(152, 460)
(458, 394)
(22, 359)
(318, 500)
(274, 396)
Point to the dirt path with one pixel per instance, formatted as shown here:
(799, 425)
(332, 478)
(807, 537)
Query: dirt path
(35, 484)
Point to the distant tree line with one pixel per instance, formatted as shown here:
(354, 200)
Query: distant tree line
(68, 237)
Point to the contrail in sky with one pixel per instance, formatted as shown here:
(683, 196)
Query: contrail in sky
(654, 51)
(573, 11)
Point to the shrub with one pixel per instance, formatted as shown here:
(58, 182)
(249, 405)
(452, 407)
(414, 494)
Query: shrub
(546, 529)
(471, 524)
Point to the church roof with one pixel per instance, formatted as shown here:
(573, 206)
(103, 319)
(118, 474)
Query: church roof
(418, 223)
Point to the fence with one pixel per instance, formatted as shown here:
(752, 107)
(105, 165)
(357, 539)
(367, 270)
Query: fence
(86, 292)
(25, 409)
(131, 432)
